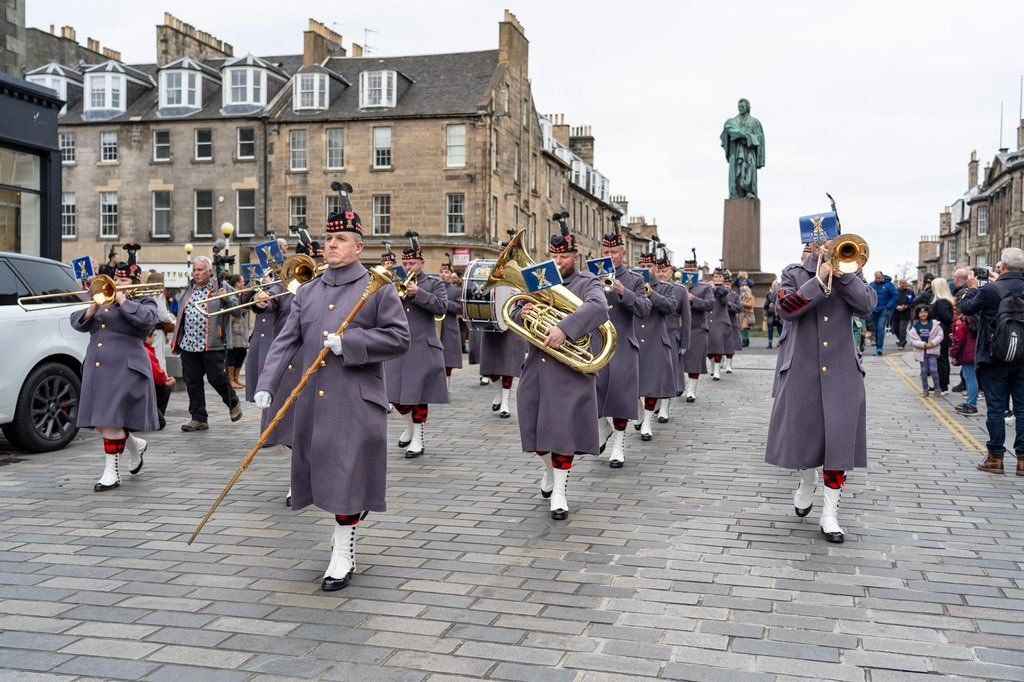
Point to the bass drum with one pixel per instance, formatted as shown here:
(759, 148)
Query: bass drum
(482, 310)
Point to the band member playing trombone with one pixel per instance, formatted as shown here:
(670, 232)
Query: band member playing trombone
(618, 383)
(451, 332)
(200, 341)
(339, 454)
(657, 379)
(819, 416)
(695, 361)
(118, 394)
(558, 405)
(416, 379)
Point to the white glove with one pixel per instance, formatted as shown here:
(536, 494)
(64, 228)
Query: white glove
(333, 341)
(262, 399)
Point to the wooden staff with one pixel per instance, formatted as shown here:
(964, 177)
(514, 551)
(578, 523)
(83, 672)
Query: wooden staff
(379, 277)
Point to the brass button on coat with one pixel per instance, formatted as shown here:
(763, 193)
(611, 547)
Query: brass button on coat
(825, 344)
(325, 333)
(323, 363)
(321, 394)
(262, 335)
(824, 369)
(330, 306)
(103, 326)
(99, 345)
(97, 364)
(825, 318)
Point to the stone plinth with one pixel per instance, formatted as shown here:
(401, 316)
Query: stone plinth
(741, 235)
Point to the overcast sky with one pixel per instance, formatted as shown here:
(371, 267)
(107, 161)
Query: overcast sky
(879, 103)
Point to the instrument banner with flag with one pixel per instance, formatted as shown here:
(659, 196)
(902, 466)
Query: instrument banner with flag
(83, 268)
(270, 255)
(399, 274)
(252, 272)
(542, 276)
(818, 228)
(690, 279)
(643, 273)
(601, 267)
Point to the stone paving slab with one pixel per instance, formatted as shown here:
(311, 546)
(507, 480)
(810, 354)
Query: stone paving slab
(687, 564)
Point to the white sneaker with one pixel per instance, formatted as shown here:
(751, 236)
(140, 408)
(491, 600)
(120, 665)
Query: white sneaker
(136, 448)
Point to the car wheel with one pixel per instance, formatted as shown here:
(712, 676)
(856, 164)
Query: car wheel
(46, 414)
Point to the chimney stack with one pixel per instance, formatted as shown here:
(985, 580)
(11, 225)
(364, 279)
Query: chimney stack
(319, 43)
(176, 39)
(68, 32)
(357, 50)
(972, 171)
(560, 129)
(93, 45)
(581, 142)
(945, 221)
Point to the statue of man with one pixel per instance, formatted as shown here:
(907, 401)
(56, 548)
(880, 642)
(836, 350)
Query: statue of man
(743, 142)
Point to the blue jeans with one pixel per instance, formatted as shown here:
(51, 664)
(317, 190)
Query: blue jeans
(881, 321)
(1001, 383)
(971, 380)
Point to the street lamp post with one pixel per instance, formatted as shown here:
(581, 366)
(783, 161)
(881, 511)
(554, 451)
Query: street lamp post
(188, 254)
(227, 229)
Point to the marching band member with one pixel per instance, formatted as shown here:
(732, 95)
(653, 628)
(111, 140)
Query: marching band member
(618, 383)
(339, 455)
(558, 405)
(735, 312)
(118, 395)
(451, 331)
(416, 379)
(657, 378)
(501, 357)
(695, 361)
(819, 415)
(271, 314)
(721, 341)
(678, 327)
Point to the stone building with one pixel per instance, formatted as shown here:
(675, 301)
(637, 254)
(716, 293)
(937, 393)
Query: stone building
(450, 146)
(986, 219)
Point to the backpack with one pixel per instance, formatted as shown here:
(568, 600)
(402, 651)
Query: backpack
(1006, 335)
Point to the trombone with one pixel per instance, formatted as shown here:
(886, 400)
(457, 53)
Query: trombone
(296, 271)
(102, 291)
(403, 287)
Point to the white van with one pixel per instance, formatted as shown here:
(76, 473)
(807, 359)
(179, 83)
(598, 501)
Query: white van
(40, 355)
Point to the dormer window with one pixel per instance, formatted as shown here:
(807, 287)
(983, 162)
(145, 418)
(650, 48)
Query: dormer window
(377, 89)
(245, 86)
(310, 91)
(58, 83)
(180, 89)
(106, 91)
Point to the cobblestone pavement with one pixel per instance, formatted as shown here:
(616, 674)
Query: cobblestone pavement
(686, 564)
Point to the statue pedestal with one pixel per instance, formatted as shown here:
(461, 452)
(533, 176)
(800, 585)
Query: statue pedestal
(741, 246)
(741, 235)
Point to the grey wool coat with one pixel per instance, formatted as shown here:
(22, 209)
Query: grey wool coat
(657, 368)
(678, 326)
(695, 358)
(474, 346)
(269, 323)
(722, 336)
(502, 354)
(618, 384)
(818, 418)
(339, 439)
(451, 332)
(417, 377)
(557, 405)
(117, 377)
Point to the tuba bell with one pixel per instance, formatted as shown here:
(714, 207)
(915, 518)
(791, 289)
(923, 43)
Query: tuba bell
(848, 254)
(550, 306)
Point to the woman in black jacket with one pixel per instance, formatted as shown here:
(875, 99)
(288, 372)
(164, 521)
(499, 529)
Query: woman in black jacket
(942, 310)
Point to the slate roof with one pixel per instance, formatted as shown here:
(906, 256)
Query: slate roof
(435, 85)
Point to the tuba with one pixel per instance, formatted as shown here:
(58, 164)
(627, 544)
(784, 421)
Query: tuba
(550, 306)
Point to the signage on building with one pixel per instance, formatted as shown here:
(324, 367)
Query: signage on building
(460, 257)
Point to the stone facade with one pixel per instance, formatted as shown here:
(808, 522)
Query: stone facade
(986, 219)
(12, 38)
(519, 168)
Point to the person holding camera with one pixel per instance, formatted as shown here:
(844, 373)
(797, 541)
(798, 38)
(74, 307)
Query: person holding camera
(999, 308)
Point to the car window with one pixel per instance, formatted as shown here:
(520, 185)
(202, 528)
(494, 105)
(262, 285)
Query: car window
(11, 287)
(47, 278)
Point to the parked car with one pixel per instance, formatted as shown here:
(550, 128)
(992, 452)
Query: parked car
(40, 355)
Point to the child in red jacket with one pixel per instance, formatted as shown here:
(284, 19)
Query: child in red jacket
(163, 383)
(962, 353)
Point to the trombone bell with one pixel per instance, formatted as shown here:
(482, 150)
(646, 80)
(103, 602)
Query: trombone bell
(849, 254)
